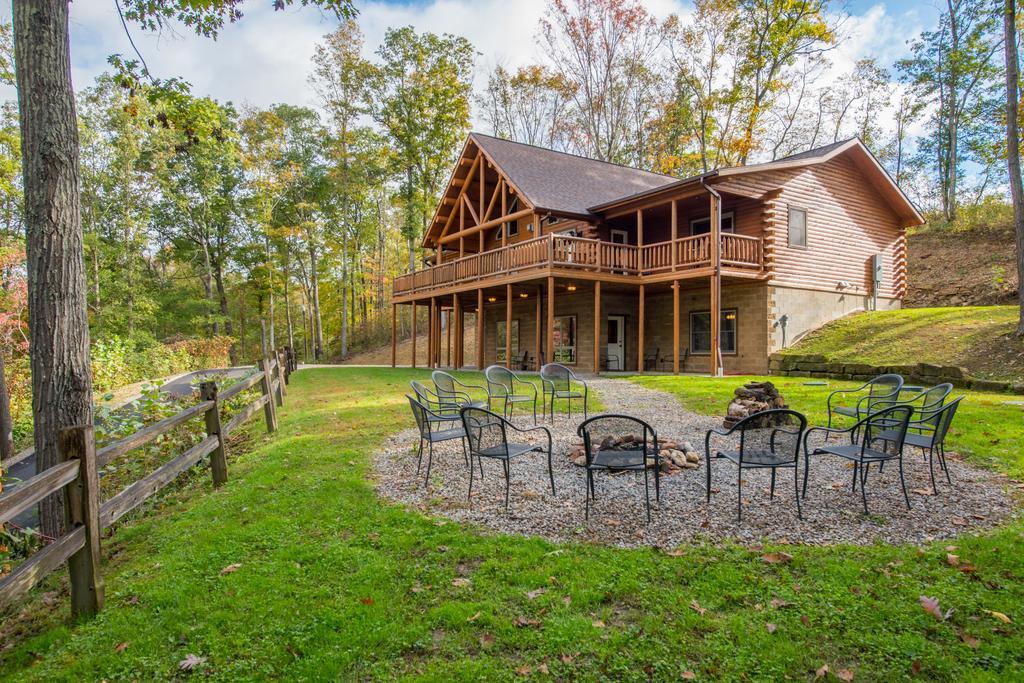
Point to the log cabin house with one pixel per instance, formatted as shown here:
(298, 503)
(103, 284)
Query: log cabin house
(604, 267)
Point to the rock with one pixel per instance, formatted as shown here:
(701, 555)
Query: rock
(580, 461)
(670, 445)
(691, 465)
(692, 456)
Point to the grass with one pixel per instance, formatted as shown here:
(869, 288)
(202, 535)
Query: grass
(988, 429)
(978, 338)
(333, 583)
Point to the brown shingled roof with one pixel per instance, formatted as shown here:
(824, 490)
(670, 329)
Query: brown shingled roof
(565, 183)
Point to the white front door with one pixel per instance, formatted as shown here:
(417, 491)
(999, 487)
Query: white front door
(616, 342)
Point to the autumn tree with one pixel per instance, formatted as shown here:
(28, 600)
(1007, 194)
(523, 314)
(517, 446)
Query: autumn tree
(530, 106)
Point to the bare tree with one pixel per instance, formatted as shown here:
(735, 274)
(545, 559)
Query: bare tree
(1013, 143)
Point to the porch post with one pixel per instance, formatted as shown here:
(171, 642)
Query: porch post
(675, 321)
(414, 334)
(675, 236)
(640, 332)
(459, 323)
(551, 320)
(536, 336)
(394, 330)
(597, 327)
(432, 333)
(447, 318)
(716, 285)
(508, 326)
(479, 330)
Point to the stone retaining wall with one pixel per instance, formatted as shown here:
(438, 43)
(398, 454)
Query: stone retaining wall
(815, 365)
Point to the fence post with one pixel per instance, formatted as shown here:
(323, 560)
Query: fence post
(281, 377)
(267, 387)
(82, 502)
(219, 456)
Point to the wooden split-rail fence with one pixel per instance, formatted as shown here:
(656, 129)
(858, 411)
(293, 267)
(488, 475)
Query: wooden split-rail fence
(76, 476)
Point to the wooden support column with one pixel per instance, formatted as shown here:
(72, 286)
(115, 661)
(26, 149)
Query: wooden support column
(432, 334)
(508, 326)
(448, 337)
(551, 320)
(504, 212)
(457, 308)
(639, 227)
(414, 334)
(640, 333)
(675, 236)
(536, 336)
(480, 329)
(394, 332)
(82, 505)
(675, 322)
(716, 286)
(597, 327)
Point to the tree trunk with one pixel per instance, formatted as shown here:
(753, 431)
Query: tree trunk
(288, 306)
(59, 339)
(315, 322)
(270, 289)
(222, 298)
(1013, 145)
(344, 295)
(6, 422)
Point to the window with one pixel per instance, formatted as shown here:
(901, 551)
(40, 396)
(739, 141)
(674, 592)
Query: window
(513, 229)
(499, 341)
(700, 226)
(700, 331)
(797, 227)
(565, 339)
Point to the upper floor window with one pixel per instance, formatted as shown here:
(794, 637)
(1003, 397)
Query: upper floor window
(700, 226)
(797, 227)
(513, 228)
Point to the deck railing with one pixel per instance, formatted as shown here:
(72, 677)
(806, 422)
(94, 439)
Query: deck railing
(578, 253)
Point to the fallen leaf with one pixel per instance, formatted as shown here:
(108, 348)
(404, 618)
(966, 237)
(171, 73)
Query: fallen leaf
(678, 552)
(970, 641)
(779, 604)
(524, 670)
(121, 647)
(474, 617)
(543, 668)
(931, 606)
(366, 601)
(922, 492)
(191, 662)
(967, 568)
(951, 548)
(567, 659)
(960, 521)
(771, 627)
(523, 622)
(844, 675)
(689, 675)
(915, 667)
(1000, 616)
(486, 640)
(804, 620)
(230, 569)
(132, 600)
(821, 672)
(461, 582)
(952, 560)
(695, 606)
(597, 623)
(534, 594)
(567, 600)
(776, 557)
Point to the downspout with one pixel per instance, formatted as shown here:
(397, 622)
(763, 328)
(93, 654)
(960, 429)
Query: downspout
(716, 277)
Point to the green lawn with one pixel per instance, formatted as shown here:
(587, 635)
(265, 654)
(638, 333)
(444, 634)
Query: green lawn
(988, 429)
(975, 337)
(332, 583)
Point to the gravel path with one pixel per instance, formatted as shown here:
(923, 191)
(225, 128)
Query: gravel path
(978, 498)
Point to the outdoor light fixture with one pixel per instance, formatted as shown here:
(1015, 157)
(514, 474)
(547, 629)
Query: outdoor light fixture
(491, 299)
(730, 316)
(523, 295)
(571, 288)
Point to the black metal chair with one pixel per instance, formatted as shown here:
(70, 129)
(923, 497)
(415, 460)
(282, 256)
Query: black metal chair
(881, 389)
(926, 403)
(509, 388)
(863, 454)
(929, 434)
(668, 364)
(559, 381)
(487, 433)
(651, 359)
(446, 411)
(432, 430)
(620, 442)
(524, 361)
(764, 443)
(455, 393)
(610, 361)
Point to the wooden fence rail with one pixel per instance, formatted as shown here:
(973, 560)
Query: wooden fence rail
(77, 476)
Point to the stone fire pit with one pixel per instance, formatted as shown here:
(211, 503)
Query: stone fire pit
(675, 455)
(752, 398)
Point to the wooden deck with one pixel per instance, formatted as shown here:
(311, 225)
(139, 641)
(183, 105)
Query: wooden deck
(584, 257)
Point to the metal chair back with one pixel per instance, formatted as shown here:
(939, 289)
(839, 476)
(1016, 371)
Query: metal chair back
(558, 375)
(896, 418)
(618, 441)
(421, 414)
(943, 419)
(445, 386)
(486, 432)
(769, 431)
(500, 381)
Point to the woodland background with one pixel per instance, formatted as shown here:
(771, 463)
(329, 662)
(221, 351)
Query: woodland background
(202, 218)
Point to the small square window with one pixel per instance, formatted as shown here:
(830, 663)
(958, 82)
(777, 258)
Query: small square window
(702, 226)
(797, 227)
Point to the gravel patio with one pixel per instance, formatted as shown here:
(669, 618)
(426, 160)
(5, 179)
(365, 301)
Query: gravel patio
(978, 498)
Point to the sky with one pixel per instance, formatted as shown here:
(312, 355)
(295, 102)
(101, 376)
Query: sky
(265, 58)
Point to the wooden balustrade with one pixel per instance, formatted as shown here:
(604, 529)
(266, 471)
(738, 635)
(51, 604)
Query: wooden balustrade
(578, 253)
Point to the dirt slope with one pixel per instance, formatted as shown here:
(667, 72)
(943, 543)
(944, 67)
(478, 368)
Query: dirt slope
(964, 268)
